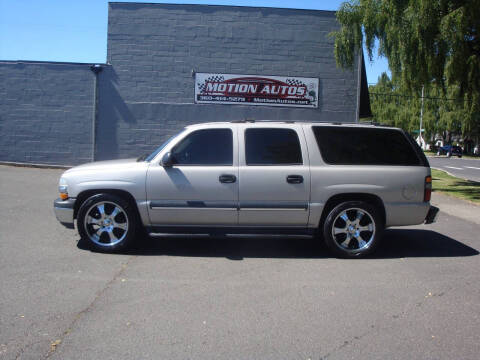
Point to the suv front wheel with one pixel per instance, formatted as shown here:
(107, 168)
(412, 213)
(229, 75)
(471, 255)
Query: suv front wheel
(106, 222)
(353, 229)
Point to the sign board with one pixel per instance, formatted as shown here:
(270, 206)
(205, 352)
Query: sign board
(289, 91)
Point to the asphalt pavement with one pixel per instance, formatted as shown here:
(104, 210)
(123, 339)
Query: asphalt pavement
(230, 297)
(460, 167)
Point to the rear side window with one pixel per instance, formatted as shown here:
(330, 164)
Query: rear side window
(364, 146)
(205, 147)
(272, 147)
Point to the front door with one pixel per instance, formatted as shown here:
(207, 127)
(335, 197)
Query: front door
(274, 176)
(201, 187)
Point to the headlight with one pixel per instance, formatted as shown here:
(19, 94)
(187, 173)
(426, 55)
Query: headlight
(63, 189)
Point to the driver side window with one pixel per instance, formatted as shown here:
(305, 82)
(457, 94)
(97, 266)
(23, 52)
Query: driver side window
(212, 147)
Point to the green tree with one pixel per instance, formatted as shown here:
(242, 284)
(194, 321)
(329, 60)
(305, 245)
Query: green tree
(431, 43)
(392, 105)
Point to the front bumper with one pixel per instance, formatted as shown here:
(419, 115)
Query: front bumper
(64, 211)
(432, 215)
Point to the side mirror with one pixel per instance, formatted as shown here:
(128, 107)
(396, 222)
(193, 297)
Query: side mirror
(167, 160)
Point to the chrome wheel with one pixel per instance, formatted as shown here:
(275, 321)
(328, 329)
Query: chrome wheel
(106, 223)
(353, 230)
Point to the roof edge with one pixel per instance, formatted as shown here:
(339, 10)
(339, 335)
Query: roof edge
(41, 62)
(332, 12)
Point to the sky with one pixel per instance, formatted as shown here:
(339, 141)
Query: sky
(76, 30)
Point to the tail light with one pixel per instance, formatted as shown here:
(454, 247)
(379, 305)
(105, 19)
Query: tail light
(428, 189)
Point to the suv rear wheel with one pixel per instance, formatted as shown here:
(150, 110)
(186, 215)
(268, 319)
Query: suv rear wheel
(353, 229)
(106, 222)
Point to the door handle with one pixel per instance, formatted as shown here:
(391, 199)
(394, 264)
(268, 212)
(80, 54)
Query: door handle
(295, 179)
(227, 178)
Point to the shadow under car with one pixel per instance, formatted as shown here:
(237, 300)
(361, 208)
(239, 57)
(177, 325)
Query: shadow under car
(396, 243)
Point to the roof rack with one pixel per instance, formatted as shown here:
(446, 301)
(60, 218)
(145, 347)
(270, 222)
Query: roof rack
(263, 121)
(356, 123)
(372, 123)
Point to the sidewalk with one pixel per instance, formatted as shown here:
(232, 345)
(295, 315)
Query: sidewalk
(456, 207)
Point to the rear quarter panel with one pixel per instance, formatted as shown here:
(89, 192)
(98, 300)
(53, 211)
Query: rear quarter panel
(401, 188)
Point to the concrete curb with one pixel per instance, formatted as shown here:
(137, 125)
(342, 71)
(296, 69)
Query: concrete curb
(40, 166)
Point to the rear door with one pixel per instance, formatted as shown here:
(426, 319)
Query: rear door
(274, 177)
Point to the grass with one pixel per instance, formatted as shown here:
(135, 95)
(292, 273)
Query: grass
(451, 185)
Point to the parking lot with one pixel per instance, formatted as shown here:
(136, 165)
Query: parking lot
(230, 297)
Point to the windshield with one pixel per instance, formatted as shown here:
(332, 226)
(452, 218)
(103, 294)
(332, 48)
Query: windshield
(160, 148)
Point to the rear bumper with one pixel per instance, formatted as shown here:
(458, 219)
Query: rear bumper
(432, 215)
(405, 213)
(64, 211)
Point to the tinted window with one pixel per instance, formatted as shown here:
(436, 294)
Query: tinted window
(272, 147)
(205, 147)
(364, 146)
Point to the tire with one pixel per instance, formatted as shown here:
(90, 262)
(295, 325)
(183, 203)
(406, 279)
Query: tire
(342, 229)
(107, 223)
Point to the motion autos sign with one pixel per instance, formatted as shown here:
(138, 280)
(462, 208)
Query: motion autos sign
(256, 90)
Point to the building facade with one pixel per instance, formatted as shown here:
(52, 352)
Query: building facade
(158, 57)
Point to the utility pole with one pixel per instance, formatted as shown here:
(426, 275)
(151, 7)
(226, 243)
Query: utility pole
(421, 121)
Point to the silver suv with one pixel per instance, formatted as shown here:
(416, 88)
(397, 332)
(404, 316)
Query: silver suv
(342, 182)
